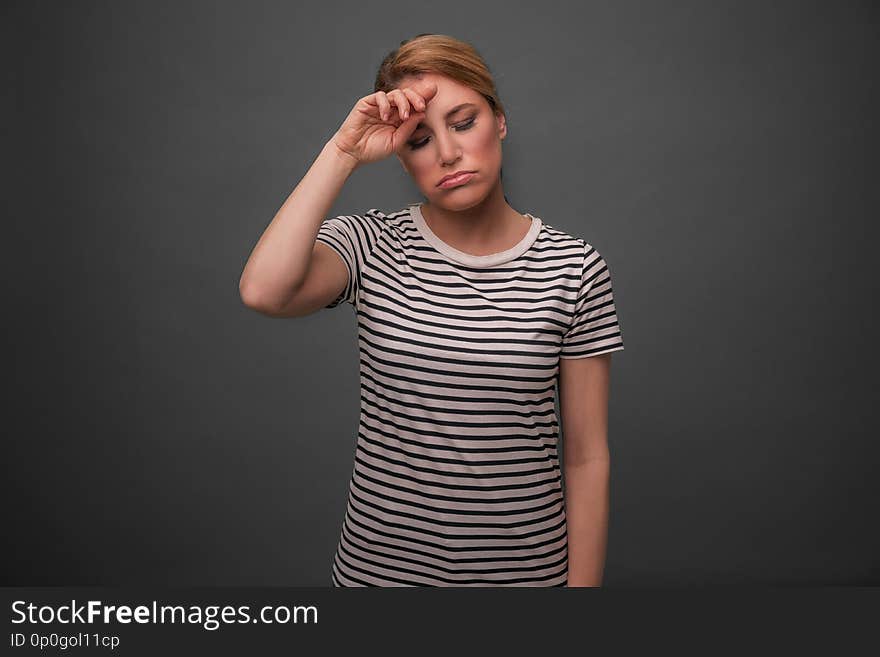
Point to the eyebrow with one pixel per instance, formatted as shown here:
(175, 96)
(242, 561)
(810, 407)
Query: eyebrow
(450, 112)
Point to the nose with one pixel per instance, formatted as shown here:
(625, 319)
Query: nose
(448, 149)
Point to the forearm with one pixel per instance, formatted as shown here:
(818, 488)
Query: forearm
(280, 260)
(586, 510)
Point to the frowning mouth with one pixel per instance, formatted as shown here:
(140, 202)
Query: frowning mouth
(457, 178)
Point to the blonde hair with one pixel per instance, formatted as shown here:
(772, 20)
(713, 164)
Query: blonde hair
(443, 54)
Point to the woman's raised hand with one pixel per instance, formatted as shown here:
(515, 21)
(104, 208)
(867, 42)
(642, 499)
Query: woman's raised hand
(380, 124)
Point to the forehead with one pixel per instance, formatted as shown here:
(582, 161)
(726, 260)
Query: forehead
(449, 92)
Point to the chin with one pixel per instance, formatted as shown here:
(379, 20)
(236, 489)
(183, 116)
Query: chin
(457, 199)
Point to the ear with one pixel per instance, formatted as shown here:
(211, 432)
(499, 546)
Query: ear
(502, 125)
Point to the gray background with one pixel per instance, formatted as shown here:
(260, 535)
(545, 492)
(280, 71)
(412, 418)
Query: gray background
(721, 156)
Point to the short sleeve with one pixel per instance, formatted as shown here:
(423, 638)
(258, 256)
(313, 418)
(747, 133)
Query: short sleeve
(353, 238)
(594, 329)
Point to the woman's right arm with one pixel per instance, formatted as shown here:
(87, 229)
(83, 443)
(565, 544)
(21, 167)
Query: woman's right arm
(288, 263)
(289, 272)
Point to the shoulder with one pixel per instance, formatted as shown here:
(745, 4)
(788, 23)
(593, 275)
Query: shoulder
(370, 223)
(386, 218)
(563, 239)
(576, 255)
(557, 243)
(557, 237)
(392, 221)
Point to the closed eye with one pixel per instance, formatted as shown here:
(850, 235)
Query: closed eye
(467, 125)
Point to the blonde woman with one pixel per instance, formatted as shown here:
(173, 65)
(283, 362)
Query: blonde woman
(470, 315)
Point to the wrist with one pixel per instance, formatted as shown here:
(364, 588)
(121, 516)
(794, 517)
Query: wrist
(346, 160)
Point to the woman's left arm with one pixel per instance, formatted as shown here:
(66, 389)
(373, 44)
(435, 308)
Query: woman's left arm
(583, 401)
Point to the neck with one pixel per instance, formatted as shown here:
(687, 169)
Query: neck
(478, 225)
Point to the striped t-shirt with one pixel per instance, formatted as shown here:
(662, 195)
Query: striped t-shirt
(456, 478)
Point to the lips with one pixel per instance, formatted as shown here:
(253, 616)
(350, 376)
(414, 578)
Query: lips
(457, 177)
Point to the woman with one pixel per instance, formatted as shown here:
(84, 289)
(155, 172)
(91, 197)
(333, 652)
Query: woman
(469, 313)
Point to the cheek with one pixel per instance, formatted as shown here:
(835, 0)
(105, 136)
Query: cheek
(421, 167)
(487, 143)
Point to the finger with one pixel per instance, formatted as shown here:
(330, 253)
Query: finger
(384, 105)
(418, 103)
(401, 101)
(423, 90)
(426, 89)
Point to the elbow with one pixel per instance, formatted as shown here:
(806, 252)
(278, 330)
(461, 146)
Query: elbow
(252, 297)
(256, 299)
